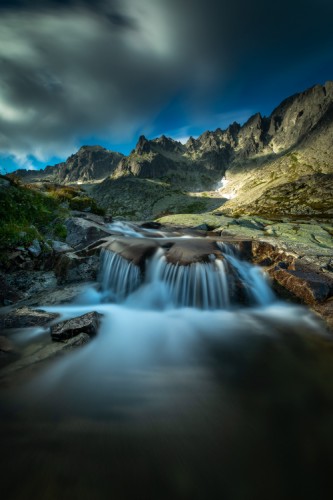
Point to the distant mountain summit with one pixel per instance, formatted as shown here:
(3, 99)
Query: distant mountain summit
(265, 152)
(90, 163)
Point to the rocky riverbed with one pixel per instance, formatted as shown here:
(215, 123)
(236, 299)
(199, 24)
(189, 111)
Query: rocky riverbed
(160, 345)
(296, 254)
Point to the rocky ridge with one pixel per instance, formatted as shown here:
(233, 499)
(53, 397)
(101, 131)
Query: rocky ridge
(264, 154)
(297, 257)
(256, 158)
(89, 164)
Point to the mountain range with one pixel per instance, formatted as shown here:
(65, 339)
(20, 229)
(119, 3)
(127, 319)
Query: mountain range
(280, 164)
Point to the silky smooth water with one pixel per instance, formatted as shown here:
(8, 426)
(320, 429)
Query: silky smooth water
(183, 394)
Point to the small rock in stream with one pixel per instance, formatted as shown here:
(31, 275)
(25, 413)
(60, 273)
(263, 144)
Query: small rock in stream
(87, 323)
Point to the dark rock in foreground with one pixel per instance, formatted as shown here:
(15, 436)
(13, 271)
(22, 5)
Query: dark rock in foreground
(25, 317)
(87, 323)
(6, 345)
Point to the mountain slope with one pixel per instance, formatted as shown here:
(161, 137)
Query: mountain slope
(90, 163)
(295, 141)
(270, 183)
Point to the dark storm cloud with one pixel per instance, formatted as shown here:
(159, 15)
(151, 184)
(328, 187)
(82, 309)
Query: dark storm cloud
(73, 69)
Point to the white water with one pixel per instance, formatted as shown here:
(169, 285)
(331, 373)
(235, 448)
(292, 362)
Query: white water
(130, 230)
(205, 285)
(168, 397)
(167, 319)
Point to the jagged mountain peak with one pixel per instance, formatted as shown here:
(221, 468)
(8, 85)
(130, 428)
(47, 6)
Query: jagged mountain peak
(209, 155)
(142, 145)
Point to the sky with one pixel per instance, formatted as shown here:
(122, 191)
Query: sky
(76, 72)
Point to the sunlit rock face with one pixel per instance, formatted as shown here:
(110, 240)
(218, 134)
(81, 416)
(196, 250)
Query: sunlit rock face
(294, 142)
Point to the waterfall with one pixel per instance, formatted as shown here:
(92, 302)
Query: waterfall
(182, 372)
(220, 283)
(253, 278)
(118, 276)
(202, 285)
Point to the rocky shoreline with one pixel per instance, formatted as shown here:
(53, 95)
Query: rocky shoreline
(300, 271)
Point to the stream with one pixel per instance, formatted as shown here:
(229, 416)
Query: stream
(187, 391)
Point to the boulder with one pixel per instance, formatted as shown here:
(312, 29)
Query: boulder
(61, 295)
(309, 286)
(87, 323)
(151, 225)
(135, 250)
(71, 268)
(8, 293)
(35, 249)
(5, 345)
(23, 284)
(61, 247)
(189, 250)
(82, 232)
(25, 317)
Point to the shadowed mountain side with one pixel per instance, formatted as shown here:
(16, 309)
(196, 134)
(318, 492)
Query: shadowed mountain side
(172, 162)
(137, 198)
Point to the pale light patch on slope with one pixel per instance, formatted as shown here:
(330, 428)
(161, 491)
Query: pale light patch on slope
(250, 181)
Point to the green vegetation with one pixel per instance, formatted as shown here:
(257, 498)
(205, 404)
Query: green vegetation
(37, 212)
(191, 220)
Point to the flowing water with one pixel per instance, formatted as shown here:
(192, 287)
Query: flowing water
(185, 393)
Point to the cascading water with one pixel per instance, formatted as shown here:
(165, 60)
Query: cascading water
(205, 285)
(181, 392)
(118, 276)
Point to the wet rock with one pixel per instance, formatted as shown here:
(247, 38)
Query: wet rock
(311, 287)
(151, 225)
(25, 317)
(35, 248)
(8, 294)
(5, 345)
(99, 219)
(87, 323)
(60, 247)
(202, 227)
(41, 353)
(81, 232)
(71, 268)
(188, 251)
(23, 284)
(135, 250)
(61, 295)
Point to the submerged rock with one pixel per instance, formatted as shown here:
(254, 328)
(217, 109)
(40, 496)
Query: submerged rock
(87, 323)
(6, 345)
(25, 317)
(37, 355)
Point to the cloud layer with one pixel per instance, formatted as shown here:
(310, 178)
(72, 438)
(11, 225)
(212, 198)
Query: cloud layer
(111, 69)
